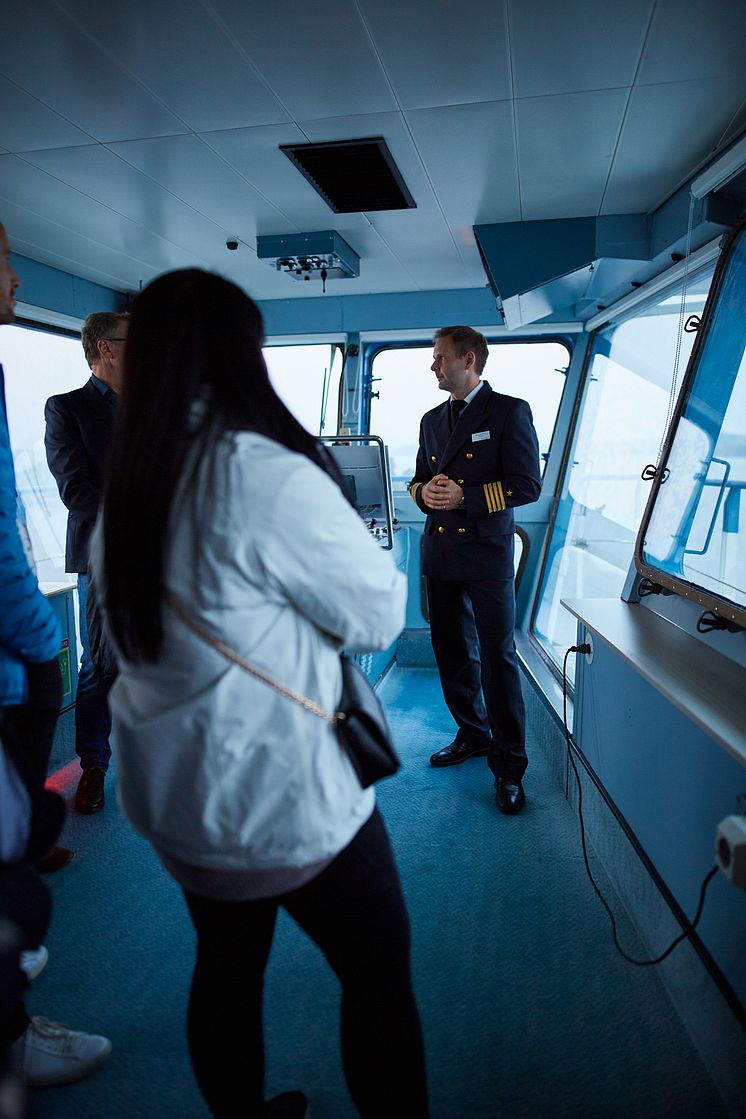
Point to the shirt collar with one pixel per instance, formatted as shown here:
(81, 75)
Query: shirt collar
(468, 399)
(102, 387)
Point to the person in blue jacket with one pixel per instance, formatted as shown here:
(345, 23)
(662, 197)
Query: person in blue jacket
(30, 685)
(478, 459)
(44, 1052)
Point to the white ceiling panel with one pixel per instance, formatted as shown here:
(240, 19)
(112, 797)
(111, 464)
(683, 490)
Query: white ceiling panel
(435, 55)
(190, 170)
(255, 154)
(162, 43)
(469, 151)
(315, 56)
(26, 124)
(105, 177)
(147, 135)
(736, 128)
(32, 235)
(676, 122)
(45, 54)
(54, 200)
(582, 45)
(565, 148)
(689, 39)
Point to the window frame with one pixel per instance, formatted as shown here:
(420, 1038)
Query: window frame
(568, 449)
(339, 344)
(374, 349)
(709, 600)
(46, 328)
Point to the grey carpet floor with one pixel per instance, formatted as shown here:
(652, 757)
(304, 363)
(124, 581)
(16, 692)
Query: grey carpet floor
(528, 1012)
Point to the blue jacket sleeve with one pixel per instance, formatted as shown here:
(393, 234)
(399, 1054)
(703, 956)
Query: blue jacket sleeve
(28, 627)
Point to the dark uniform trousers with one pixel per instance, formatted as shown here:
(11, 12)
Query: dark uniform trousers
(492, 453)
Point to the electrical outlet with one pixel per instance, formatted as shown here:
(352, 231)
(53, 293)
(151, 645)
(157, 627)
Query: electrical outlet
(730, 849)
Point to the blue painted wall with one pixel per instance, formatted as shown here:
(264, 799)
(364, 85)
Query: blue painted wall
(54, 290)
(673, 784)
(396, 311)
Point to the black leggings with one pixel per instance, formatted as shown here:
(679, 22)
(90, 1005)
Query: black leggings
(354, 911)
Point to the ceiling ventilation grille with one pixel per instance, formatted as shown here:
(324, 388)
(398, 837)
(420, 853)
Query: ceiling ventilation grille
(352, 176)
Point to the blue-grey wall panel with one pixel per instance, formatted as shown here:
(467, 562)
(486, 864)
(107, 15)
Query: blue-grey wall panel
(58, 291)
(399, 311)
(673, 785)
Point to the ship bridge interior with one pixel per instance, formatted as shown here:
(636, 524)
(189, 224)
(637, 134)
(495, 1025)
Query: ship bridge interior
(569, 179)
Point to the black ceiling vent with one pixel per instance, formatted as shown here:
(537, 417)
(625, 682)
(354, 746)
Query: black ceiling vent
(352, 176)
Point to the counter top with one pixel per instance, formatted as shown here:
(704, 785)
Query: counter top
(703, 684)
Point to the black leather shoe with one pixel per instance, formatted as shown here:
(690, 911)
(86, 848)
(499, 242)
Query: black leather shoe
(509, 795)
(90, 795)
(458, 751)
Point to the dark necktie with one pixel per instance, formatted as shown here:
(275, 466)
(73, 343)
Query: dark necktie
(457, 407)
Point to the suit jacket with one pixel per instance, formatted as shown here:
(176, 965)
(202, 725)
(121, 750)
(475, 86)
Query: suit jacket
(493, 454)
(79, 429)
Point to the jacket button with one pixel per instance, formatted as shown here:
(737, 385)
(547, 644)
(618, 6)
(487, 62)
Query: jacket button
(462, 531)
(440, 528)
(460, 481)
(434, 458)
(470, 455)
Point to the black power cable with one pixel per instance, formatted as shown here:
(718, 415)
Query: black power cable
(705, 883)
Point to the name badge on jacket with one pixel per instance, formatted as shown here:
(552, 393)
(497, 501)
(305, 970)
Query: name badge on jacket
(478, 436)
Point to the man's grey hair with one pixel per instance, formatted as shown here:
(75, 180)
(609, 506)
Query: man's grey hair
(100, 325)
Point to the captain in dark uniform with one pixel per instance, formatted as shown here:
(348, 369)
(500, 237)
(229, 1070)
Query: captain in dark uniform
(478, 458)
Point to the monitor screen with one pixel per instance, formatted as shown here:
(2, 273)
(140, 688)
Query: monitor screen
(364, 468)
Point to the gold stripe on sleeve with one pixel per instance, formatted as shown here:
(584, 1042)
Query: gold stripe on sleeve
(489, 498)
(413, 491)
(501, 494)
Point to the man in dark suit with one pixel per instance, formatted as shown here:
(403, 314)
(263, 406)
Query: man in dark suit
(79, 429)
(478, 458)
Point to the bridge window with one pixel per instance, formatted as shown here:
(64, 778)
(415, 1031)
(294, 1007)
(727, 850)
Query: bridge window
(307, 379)
(37, 365)
(622, 420)
(695, 533)
(404, 388)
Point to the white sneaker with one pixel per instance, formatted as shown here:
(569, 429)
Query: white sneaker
(52, 1054)
(33, 963)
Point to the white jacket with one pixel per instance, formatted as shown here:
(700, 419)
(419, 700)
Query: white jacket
(214, 766)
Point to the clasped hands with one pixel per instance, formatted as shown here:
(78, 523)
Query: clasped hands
(441, 493)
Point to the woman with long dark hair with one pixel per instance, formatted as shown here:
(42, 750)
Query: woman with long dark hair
(221, 511)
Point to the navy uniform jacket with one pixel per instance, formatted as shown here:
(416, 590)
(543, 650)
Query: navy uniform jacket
(79, 430)
(493, 454)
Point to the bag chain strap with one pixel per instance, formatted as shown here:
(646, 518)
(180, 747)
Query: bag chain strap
(232, 656)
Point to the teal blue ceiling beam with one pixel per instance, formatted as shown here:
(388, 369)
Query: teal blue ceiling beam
(572, 267)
